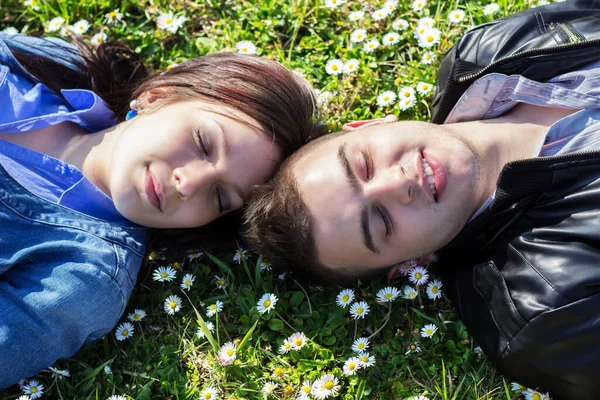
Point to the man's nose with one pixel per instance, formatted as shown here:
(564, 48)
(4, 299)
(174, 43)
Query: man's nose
(389, 185)
(194, 177)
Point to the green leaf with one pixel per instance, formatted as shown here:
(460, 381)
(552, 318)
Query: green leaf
(247, 337)
(296, 299)
(275, 324)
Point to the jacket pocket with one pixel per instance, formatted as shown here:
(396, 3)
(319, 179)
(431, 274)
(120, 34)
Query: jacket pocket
(507, 321)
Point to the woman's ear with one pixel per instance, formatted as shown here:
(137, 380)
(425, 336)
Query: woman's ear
(351, 126)
(147, 98)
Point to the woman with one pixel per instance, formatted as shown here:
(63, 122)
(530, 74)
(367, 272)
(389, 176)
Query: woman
(79, 185)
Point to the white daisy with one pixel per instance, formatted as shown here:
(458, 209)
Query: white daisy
(390, 38)
(434, 289)
(418, 5)
(11, 30)
(124, 331)
(220, 282)
(59, 373)
(424, 88)
(172, 304)
(418, 398)
(351, 366)
(54, 24)
(187, 281)
(34, 389)
(360, 344)
(386, 98)
(400, 24)
(240, 255)
(209, 393)
(390, 5)
(244, 47)
(194, 254)
(531, 394)
(359, 309)
(286, 346)
(297, 340)
(358, 35)
(478, 350)
(214, 308)
(428, 57)
(380, 14)
(269, 387)
(169, 22)
(413, 348)
(107, 370)
(113, 17)
(164, 274)
(324, 96)
(541, 3)
(491, 8)
(517, 387)
(428, 330)
(429, 38)
(265, 266)
(33, 4)
(305, 388)
(226, 355)
(334, 67)
(281, 276)
(117, 397)
(409, 292)
(371, 45)
(266, 303)
(405, 104)
(456, 16)
(80, 27)
(366, 360)
(334, 3)
(407, 92)
(418, 276)
(25, 397)
(387, 294)
(356, 15)
(136, 315)
(351, 65)
(200, 333)
(325, 386)
(426, 22)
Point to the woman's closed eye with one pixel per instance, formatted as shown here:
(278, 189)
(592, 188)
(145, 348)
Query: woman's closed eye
(223, 201)
(203, 141)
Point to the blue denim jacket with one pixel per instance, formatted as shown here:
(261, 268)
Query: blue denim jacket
(65, 277)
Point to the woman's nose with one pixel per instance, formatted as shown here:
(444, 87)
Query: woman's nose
(193, 178)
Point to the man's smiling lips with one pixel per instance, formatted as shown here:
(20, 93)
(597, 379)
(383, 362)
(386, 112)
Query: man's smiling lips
(424, 183)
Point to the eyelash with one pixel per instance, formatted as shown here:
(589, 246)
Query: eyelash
(368, 164)
(386, 221)
(206, 151)
(198, 132)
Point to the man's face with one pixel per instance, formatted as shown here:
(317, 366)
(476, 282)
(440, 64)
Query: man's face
(369, 196)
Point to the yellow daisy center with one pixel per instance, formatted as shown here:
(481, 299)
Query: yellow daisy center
(334, 67)
(222, 282)
(351, 366)
(361, 346)
(125, 332)
(418, 275)
(267, 303)
(113, 14)
(359, 310)
(212, 307)
(287, 345)
(244, 49)
(413, 347)
(188, 282)
(136, 316)
(536, 396)
(457, 15)
(429, 331)
(298, 342)
(430, 38)
(278, 371)
(388, 295)
(289, 389)
(428, 57)
(168, 21)
(345, 298)
(328, 385)
(172, 305)
(207, 395)
(359, 36)
(306, 389)
(434, 289)
(34, 390)
(364, 359)
(229, 352)
(164, 275)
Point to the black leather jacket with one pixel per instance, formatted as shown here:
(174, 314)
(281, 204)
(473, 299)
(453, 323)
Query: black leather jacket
(525, 275)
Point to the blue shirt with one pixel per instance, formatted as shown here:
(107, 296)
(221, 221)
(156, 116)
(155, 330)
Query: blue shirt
(494, 94)
(29, 105)
(65, 277)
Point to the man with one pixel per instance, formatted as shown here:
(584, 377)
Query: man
(508, 192)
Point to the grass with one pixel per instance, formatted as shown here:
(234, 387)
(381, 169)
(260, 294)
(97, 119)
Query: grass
(165, 358)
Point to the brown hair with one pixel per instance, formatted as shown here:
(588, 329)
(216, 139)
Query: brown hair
(279, 226)
(280, 100)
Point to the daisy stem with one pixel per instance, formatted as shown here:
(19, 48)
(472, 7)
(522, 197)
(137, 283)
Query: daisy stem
(285, 322)
(355, 329)
(386, 319)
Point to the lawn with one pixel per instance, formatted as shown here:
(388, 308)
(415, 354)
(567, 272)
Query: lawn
(224, 325)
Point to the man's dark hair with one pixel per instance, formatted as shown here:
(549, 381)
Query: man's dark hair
(279, 226)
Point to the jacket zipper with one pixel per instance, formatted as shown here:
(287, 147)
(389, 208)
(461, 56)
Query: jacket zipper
(554, 158)
(529, 52)
(572, 37)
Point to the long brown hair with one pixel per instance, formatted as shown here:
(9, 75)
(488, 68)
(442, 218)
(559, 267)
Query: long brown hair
(280, 100)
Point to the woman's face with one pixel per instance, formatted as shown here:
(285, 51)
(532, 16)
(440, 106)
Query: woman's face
(187, 164)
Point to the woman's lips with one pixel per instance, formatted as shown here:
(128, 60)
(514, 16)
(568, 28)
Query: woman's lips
(439, 174)
(151, 192)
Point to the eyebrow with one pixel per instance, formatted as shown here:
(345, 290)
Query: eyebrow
(237, 189)
(364, 212)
